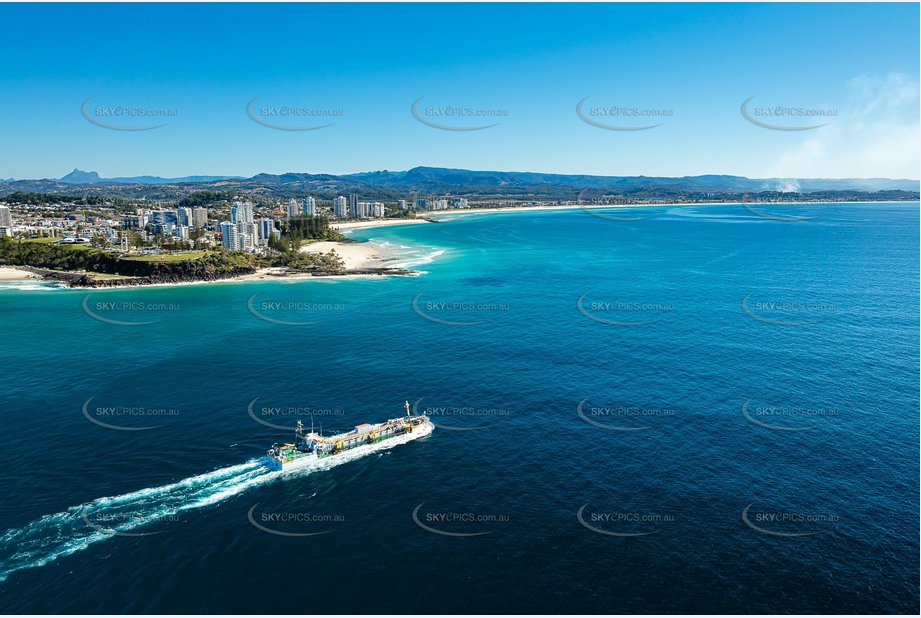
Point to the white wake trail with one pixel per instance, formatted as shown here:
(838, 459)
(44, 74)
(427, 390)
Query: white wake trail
(61, 534)
(138, 513)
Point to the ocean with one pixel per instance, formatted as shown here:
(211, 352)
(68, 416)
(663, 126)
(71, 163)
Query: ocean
(650, 410)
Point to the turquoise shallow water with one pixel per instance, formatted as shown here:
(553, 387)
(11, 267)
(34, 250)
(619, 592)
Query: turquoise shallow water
(702, 411)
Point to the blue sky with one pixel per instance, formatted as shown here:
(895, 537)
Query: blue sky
(856, 65)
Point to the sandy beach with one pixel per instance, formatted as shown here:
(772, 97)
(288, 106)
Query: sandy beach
(8, 273)
(354, 254)
(356, 225)
(461, 211)
(435, 214)
(360, 255)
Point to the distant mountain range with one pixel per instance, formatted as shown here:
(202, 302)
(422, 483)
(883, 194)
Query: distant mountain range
(433, 176)
(443, 181)
(79, 177)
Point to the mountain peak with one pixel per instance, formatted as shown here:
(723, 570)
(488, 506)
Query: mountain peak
(80, 177)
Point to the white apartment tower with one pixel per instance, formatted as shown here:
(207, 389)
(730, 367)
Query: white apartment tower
(341, 207)
(199, 217)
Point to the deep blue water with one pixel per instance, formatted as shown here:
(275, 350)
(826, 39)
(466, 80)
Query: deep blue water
(703, 411)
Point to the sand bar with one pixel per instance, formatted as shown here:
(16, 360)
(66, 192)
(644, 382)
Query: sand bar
(357, 225)
(8, 273)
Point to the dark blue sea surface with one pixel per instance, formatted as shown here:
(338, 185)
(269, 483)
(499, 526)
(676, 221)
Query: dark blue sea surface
(670, 409)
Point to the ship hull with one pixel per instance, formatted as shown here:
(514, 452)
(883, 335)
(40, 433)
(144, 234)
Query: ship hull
(308, 459)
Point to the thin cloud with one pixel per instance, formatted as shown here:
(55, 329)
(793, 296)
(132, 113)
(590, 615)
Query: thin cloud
(875, 135)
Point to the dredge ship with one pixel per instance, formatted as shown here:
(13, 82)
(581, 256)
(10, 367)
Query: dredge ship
(311, 446)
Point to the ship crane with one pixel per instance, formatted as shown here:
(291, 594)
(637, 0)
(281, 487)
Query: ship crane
(408, 423)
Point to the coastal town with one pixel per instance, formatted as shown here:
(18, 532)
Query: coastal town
(239, 224)
(98, 236)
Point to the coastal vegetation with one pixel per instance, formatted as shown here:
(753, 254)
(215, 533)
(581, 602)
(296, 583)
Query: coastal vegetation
(296, 230)
(198, 199)
(35, 198)
(176, 256)
(286, 247)
(168, 267)
(50, 256)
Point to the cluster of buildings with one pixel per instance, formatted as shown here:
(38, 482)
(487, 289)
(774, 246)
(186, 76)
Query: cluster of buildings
(177, 223)
(246, 233)
(439, 203)
(306, 207)
(73, 228)
(242, 232)
(342, 208)
(352, 208)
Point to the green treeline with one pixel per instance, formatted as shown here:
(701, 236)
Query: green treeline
(203, 198)
(76, 258)
(51, 198)
(60, 257)
(297, 230)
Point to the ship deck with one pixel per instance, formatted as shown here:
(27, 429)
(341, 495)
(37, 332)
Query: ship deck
(290, 452)
(353, 435)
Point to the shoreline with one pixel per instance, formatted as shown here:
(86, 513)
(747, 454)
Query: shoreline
(432, 216)
(355, 255)
(362, 259)
(460, 211)
(12, 273)
(282, 273)
(357, 225)
(87, 280)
